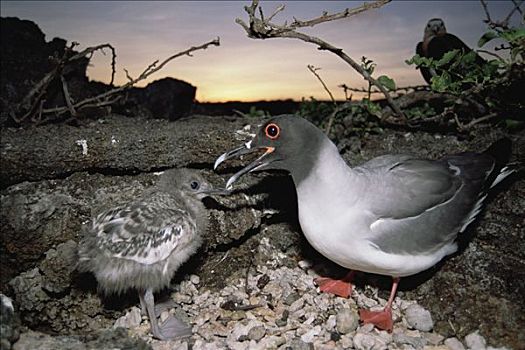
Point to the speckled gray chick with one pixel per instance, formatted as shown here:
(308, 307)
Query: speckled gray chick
(141, 245)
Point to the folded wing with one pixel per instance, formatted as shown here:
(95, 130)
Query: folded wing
(424, 204)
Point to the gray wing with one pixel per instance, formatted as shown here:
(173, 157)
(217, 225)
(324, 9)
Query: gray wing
(146, 231)
(408, 186)
(420, 205)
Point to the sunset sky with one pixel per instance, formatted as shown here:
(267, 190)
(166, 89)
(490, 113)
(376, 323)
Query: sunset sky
(247, 69)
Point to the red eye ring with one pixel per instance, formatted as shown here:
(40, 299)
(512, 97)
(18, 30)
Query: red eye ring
(272, 131)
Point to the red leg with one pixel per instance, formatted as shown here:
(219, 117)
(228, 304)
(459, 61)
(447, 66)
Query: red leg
(342, 287)
(381, 319)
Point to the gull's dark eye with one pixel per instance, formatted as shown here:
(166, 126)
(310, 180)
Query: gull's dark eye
(194, 185)
(272, 131)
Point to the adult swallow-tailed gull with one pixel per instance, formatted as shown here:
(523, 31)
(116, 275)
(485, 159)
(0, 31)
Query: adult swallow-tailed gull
(394, 215)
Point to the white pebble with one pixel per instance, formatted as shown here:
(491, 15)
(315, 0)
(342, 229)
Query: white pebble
(454, 344)
(366, 328)
(346, 341)
(296, 305)
(131, 319)
(180, 298)
(419, 318)
(475, 341)
(364, 341)
(347, 321)
(433, 338)
(195, 279)
(304, 264)
(309, 336)
(330, 322)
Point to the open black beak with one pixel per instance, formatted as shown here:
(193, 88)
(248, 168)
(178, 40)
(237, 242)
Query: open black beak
(253, 166)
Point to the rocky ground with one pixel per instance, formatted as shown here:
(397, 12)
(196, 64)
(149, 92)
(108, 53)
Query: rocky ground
(250, 286)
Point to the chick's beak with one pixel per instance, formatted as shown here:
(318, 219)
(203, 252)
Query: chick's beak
(214, 191)
(253, 166)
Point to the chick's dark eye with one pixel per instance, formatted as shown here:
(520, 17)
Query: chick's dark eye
(272, 131)
(194, 185)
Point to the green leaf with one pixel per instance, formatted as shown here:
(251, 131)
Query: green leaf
(485, 38)
(447, 57)
(387, 82)
(420, 61)
(513, 34)
(441, 83)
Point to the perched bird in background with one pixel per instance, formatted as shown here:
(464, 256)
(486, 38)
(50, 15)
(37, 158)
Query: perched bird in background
(142, 244)
(395, 215)
(436, 42)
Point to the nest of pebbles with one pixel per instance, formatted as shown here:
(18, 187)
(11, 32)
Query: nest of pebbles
(279, 307)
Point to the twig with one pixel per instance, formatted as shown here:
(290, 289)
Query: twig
(260, 28)
(486, 10)
(152, 69)
(91, 50)
(337, 109)
(127, 75)
(344, 14)
(40, 110)
(34, 96)
(400, 88)
(504, 24)
(67, 97)
(345, 90)
(279, 9)
(466, 127)
(517, 5)
(314, 72)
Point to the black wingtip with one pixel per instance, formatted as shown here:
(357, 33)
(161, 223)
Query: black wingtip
(501, 151)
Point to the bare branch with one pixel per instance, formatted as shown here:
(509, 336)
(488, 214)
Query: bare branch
(504, 24)
(279, 9)
(152, 69)
(340, 15)
(466, 127)
(486, 10)
(517, 5)
(67, 97)
(32, 99)
(91, 50)
(35, 97)
(399, 88)
(314, 72)
(263, 29)
(127, 75)
(41, 107)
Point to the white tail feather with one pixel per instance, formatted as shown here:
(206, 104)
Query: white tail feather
(473, 213)
(504, 172)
